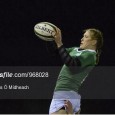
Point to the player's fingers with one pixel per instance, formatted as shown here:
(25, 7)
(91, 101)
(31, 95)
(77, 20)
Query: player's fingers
(66, 103)
(58, 30)
(66, 106)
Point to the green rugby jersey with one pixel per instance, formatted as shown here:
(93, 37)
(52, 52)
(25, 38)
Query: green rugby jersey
(71, 78)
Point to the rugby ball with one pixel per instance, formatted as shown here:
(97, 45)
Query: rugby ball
(45, 31)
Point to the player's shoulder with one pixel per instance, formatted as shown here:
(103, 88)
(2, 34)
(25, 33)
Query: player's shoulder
(88, 53)
(85, 52)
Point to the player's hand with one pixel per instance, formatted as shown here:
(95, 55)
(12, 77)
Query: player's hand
(58, 38)
(68, 106)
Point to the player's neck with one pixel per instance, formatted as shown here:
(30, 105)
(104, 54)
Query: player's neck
(92, 48)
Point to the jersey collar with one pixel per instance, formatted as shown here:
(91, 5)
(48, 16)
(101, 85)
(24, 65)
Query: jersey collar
(91, 50)
(78, 49)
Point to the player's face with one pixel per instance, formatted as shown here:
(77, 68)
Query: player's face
(87, 42)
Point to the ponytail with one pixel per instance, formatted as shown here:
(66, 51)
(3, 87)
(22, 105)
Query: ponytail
(98, 53)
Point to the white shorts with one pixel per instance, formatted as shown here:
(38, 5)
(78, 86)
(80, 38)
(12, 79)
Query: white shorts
(59, 98)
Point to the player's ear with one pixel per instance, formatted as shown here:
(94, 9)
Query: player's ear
(94, 42)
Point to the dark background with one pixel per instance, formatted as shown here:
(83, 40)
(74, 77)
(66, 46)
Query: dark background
(20, 47)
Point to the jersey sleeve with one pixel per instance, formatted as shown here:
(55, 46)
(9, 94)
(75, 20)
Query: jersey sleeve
(87, 58)
(67, 58)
